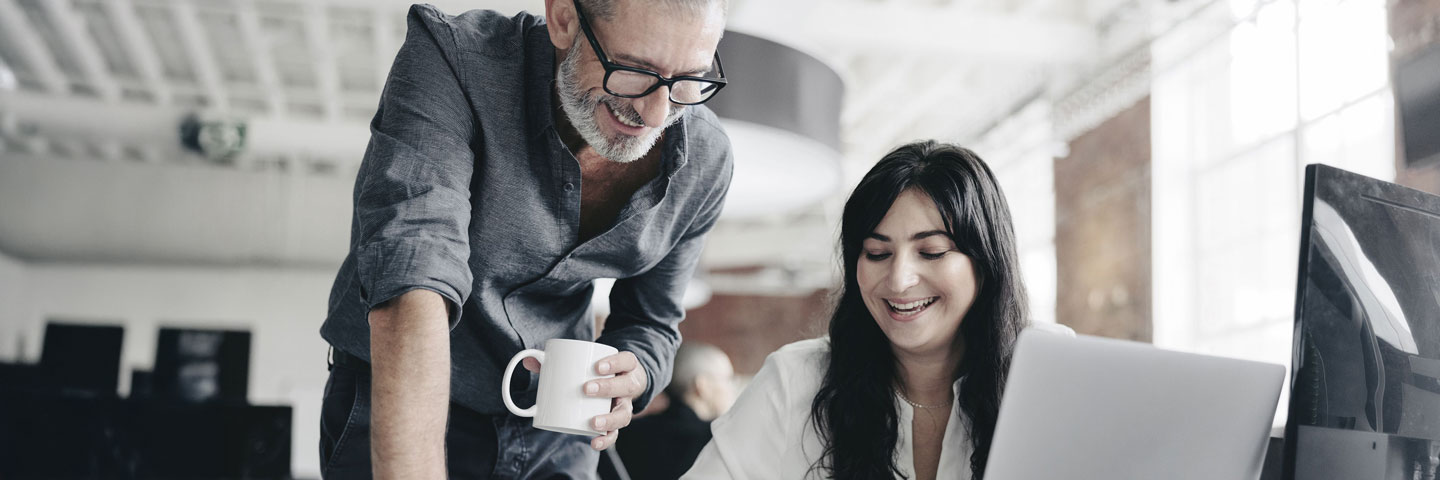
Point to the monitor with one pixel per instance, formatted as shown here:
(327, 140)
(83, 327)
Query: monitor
(140, 383)
(82, 358)
(1365, 378)
(198, 365)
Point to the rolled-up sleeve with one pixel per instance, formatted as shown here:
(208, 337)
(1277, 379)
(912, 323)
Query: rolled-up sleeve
(412, 200)
(646, 310)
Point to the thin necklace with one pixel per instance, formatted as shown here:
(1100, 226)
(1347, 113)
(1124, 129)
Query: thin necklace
(916, 405)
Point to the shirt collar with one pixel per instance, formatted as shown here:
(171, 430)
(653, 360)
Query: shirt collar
(676, 151)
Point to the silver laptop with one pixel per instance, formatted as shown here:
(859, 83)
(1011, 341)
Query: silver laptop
(1090, 408)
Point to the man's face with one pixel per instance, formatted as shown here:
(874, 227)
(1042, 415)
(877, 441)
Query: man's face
(666, 41)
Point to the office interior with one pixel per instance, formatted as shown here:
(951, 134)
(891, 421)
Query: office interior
(178, 173)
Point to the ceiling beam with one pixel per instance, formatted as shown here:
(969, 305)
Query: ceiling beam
(327, 74)
(65, 116)
(385, 45)
(394, 9)
(946, 34)
(261, 59)
(15, 28)
(895, 79)
(7, 83)
(1049, 8)
(198, 51)
(70, 26)
(138, 47)
(153, 126)
(891, 125)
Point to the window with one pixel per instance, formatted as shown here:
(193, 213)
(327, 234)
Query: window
(1245, 94)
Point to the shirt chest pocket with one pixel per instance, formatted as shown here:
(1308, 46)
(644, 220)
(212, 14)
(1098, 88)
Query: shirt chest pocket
(628, 250)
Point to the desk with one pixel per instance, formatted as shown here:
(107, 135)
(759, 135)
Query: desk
(60, 435)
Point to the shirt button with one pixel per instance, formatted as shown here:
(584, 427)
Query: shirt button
(569, 187)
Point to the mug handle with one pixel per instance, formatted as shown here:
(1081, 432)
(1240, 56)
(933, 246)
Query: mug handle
(505, 383)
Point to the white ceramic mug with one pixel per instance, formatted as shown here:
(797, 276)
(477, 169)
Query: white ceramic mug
(560, 403)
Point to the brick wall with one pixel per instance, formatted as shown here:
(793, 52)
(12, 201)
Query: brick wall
(1102, 228)
(1414, 26)
(750, 327)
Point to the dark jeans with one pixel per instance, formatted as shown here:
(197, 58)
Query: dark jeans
(476, 445)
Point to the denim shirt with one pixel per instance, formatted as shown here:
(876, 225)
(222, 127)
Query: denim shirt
(467, 190)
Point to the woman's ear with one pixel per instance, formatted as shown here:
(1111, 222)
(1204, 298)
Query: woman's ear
(562, 22)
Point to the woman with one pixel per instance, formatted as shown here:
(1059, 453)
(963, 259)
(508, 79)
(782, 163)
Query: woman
(908, 383)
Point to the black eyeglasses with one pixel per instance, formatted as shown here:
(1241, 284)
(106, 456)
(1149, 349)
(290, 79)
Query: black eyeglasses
(630, 82)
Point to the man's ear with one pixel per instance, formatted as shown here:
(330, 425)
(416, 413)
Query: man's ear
(561, 21)
(703, 385)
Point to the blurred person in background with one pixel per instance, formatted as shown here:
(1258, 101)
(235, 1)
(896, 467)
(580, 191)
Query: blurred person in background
(663, 445)
(908, 382)
(513, 161)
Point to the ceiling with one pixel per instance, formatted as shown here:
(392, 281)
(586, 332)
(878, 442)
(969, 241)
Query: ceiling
(91, 169)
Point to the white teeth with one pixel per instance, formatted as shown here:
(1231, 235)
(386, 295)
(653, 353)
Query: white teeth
(912, 305)
(624, 121)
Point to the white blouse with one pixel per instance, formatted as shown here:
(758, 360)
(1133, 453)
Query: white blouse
(768, 434)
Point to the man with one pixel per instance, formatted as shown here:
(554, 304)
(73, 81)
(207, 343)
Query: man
(513, 161)
(665, 444)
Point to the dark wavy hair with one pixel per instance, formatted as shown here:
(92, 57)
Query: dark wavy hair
(855, 411)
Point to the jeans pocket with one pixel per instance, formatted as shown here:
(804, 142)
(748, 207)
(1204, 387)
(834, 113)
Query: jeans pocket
(344, 425)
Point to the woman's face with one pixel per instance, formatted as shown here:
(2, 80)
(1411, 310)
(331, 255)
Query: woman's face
(914, 281)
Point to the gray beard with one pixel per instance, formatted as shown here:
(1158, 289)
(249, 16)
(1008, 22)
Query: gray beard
(582, 109)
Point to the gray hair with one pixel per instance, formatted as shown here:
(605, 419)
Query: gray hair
(605, 9)
(691, 361)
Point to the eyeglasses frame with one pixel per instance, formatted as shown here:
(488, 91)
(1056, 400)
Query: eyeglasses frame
(660, 80)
